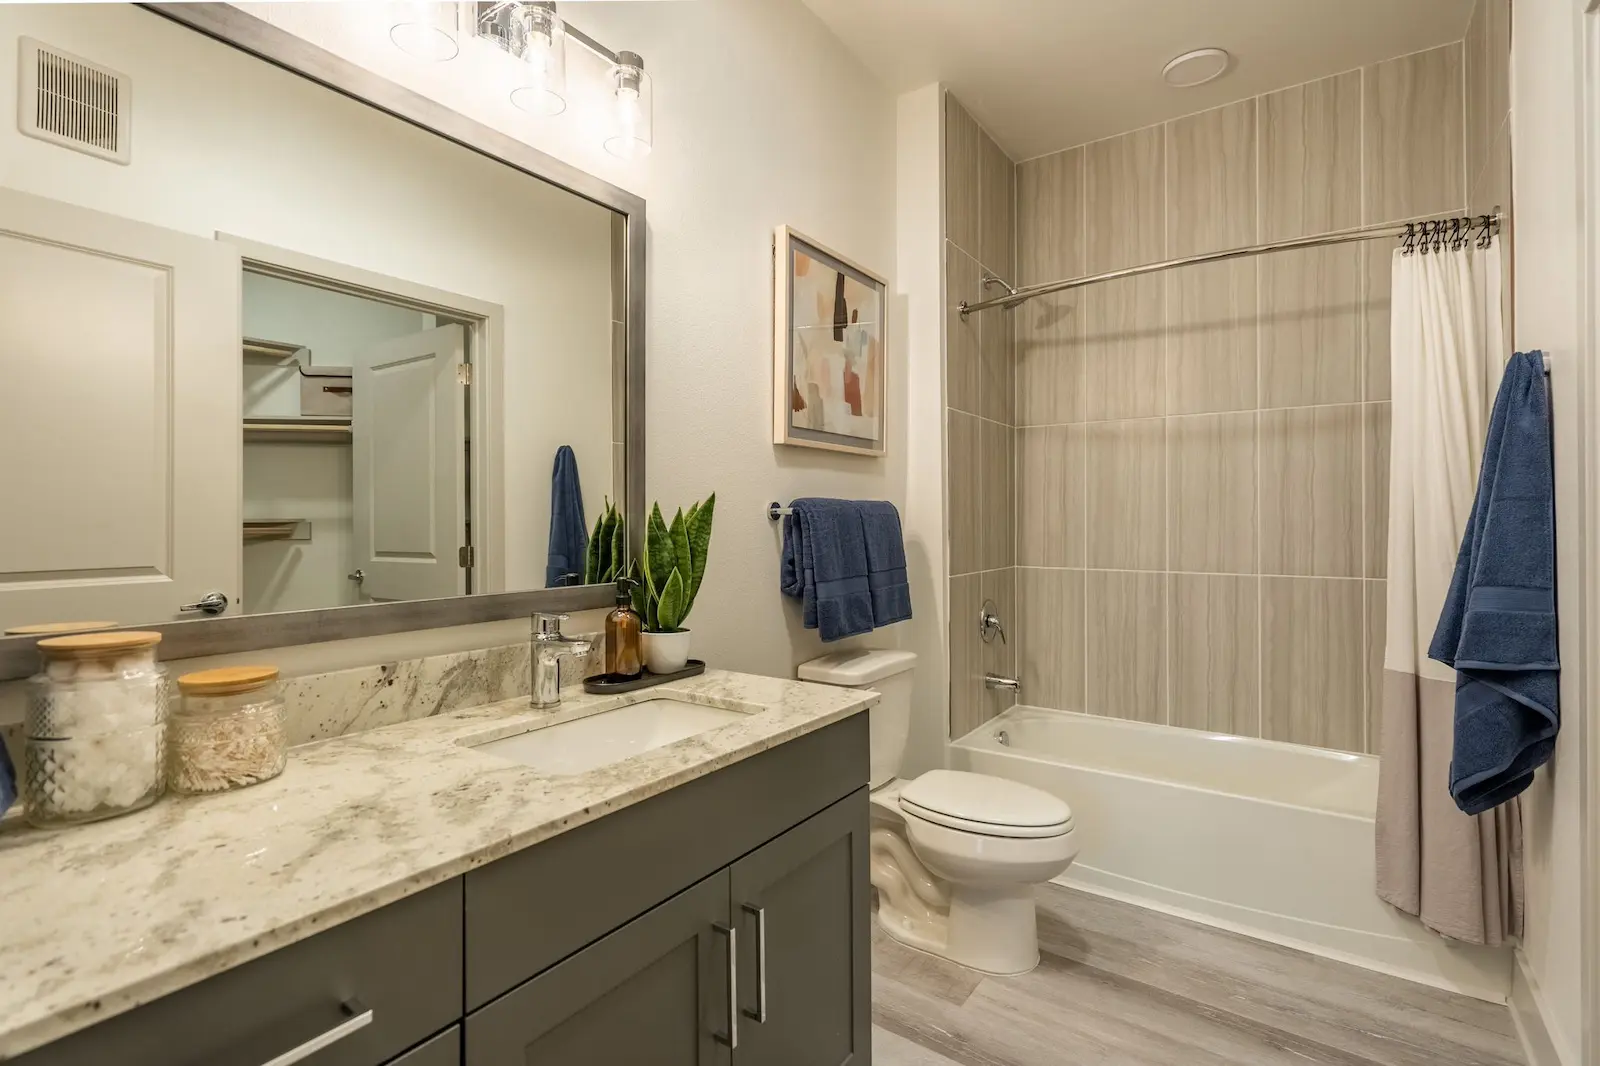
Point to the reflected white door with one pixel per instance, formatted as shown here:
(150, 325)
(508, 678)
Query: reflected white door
(408, 437)
(119, 413)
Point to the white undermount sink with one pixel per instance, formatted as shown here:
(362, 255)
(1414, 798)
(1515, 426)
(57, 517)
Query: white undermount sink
(597, 740)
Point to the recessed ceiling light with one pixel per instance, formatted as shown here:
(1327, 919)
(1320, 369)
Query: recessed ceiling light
(1196, 68)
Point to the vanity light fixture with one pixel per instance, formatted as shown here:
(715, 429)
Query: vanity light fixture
(632, 107)
(430, 31)
(536, 37)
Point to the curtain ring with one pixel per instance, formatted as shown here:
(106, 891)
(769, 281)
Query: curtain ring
(1408, 239)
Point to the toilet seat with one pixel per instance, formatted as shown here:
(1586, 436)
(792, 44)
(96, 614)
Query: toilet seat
(986, 805)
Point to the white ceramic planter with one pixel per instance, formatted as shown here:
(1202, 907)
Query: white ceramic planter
(666, 652)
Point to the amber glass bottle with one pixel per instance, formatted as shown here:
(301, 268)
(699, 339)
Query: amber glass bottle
(623, 643)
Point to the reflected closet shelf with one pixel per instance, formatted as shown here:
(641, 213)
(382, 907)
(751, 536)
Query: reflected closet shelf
(277, 529)
(297, 430)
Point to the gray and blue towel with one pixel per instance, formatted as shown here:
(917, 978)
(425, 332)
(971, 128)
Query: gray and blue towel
(1498, 627)
(569, 533)
(846, 562)
(8, 780)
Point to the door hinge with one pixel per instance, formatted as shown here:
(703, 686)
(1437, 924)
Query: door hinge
(464, 373)
(467, 555)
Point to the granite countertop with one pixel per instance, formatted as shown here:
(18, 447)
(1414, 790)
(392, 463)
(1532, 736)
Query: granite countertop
(101, 918)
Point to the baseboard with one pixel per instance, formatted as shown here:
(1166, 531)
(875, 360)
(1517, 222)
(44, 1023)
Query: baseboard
(1482, 973)
(1527, 1011)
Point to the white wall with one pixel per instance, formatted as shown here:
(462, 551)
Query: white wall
(1548, 308)
(761, 118)
(224, 142)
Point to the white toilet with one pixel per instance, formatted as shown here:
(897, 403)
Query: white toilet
(955, 855)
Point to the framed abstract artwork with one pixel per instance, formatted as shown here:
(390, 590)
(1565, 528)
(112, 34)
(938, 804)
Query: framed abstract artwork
(829, 349)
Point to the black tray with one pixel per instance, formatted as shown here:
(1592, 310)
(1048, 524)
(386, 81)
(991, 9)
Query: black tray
(613, 685)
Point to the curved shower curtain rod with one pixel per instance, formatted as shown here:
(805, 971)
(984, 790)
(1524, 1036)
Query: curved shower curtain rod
(1433, 232)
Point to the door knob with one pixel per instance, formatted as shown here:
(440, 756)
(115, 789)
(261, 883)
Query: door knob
(357, 576)
(210, 603)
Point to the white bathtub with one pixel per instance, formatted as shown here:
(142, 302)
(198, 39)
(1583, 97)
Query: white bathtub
(1273, 840)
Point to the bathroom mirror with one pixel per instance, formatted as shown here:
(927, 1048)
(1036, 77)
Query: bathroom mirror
(282, 336)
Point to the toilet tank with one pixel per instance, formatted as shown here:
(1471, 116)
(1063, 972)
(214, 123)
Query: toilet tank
(887, 673)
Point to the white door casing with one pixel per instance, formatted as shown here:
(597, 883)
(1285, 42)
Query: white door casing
(121, 415)
(408, 446)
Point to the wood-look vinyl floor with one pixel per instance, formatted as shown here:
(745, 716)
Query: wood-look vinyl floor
(1124, 986)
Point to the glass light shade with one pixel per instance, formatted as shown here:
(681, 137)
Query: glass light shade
(542, 75)
(427, 31)
(632, 109)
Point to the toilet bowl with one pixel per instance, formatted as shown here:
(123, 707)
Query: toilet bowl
(955, 855)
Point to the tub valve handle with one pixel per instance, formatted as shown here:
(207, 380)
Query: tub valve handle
(989, 623)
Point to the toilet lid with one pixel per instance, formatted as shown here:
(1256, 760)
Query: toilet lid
(979, 803)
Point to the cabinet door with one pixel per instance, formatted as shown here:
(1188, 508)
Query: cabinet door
(801, 904)
(653, 993)
(442, 1050)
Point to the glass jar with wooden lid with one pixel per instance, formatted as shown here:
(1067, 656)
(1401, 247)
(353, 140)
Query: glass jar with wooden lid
(229, 730)
(94, 740)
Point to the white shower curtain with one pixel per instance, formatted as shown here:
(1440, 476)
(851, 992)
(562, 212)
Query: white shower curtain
(1460, 875)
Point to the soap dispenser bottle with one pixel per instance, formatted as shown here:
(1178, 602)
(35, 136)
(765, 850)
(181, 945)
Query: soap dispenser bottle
(624, 645)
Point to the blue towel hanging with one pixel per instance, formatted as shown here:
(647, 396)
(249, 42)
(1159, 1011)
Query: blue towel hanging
(846, 562)
(1498, 627)
(569, 532)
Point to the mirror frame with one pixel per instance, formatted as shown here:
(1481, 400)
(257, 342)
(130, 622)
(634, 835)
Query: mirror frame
(241, 633)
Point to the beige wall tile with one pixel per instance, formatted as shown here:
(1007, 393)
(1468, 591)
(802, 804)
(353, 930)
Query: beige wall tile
(1211, 180)
(1050, 218)
(998, 196)
(1126, 643)
(998, 496)
(962, 377)
(966, 664)
(965, 469)
(1413, 151)
(1493, 186)
(998, 656)
(1313, 675)
(1498, 48)
(1211, 493)
(1311, 491)
(1311, 158)
(1215, 654)
(997, 364)
(1050, 496)
(1049, 354)
(1123, 211)
(1311, 326)
(1376, 635)
(1125, 485)
(963, 171)
(1124, 354)
(1050, 637)
(1211, 337)
(1375, 517)
(1377, 261)
(1475, 54)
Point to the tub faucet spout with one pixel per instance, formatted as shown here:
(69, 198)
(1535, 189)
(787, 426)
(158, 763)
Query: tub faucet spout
(996, 682)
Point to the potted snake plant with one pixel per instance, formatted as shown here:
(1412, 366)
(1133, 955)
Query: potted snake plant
(673, 566)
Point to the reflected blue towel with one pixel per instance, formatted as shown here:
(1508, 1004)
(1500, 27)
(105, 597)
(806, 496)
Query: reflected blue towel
(1498, 627)
(846, 563)
(569, 533)
(8, 780)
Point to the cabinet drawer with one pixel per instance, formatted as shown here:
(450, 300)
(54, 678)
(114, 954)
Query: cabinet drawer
(442, 1050)
(532, 909)
(402, 963)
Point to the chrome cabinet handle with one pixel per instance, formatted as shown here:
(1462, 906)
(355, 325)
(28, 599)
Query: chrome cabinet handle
(210, 603)
(357, 1016)
(731, 1037)
(759, 1015)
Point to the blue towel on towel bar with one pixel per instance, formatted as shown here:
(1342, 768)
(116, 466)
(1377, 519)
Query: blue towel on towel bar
(846, 563)
(569, 532)
(1498, 627)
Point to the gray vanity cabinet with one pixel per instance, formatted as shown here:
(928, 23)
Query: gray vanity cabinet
(653, 993)
(802, 908)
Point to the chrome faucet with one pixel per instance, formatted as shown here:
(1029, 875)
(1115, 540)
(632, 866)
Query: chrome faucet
(549, 645)
(996, 682)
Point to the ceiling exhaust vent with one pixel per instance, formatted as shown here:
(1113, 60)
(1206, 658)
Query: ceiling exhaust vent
(72, 102)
